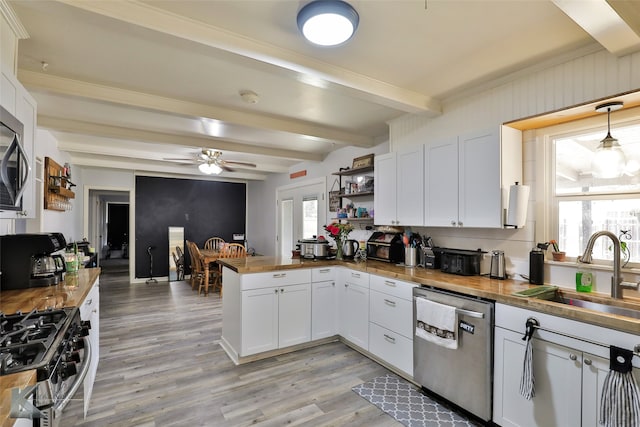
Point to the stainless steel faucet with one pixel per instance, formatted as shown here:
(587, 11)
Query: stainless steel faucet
(617, 282)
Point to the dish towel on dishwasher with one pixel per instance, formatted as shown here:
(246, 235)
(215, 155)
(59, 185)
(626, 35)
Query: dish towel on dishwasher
(436, 323)
(527, 381)
(620, 400)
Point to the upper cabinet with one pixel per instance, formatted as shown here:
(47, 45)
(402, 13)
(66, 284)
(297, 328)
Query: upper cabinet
(399, 187)
(467, 178)
(15, 99)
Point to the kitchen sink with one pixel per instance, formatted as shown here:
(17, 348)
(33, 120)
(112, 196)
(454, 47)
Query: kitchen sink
(596, 306)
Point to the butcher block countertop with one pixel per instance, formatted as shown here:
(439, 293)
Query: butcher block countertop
(70, 293)
(479, 286)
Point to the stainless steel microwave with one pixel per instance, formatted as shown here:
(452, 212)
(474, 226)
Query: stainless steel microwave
(14, 166)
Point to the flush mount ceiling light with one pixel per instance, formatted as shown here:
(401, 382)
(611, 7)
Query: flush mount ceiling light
(328, 22)
(609, 160)
(210, 168)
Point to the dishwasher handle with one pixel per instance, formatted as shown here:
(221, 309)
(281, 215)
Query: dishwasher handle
(475, 314)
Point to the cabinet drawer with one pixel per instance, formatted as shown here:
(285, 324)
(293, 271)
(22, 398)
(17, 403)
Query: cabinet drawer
(391, 312)
(391, 347)
(393, 287)
(323, 274)
(275, 278)
(356, 277)
(90, 303)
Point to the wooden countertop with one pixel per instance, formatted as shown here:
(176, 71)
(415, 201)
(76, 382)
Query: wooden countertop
(70, 293)
(479, 286)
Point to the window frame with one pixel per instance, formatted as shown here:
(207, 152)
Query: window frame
(545, 168)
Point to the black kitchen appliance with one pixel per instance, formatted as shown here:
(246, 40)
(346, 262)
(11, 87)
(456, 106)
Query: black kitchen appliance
(387, 247)
(52, 342)
(461, 261)
(29, 261)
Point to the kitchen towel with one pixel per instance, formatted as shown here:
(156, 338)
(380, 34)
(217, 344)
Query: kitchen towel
(527, 381)
(620, 400)
(437, 323)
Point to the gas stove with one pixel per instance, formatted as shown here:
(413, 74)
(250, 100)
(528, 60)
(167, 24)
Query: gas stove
(52, 343)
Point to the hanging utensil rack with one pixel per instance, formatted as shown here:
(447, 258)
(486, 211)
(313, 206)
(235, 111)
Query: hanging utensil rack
(532, 322)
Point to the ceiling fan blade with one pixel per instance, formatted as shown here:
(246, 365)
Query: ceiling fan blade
(252, 165)
(225, 167)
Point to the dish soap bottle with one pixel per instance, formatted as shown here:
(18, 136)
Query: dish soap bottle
(584, 281)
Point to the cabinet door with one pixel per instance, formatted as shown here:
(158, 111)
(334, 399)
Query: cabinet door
(480, 194)
(324, 310)
(259, 321)
(90, 310)
(294, 315)
(410, 186)
(355, 315)
(441, 183)
(384, 201)
(558, 382)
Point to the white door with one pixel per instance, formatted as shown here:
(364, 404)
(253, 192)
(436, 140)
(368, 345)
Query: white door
(385, 178)
(301, 214)
(259, 320)
(356, 315)
(324, 309)
(294, 313)
(410, 186)
(441, 183)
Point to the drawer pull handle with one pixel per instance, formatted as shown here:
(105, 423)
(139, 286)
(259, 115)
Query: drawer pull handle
(278, 276)
(325, 270)
(356, 275)
(89, 301)
(588, 362)
(390, 339)
(391, 303)
(390, 283)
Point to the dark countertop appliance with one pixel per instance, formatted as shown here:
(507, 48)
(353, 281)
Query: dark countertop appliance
(461, 261)
(29, 261)
(387, 247)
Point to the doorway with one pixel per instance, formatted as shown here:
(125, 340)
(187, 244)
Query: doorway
(301, 214)
(118, 229)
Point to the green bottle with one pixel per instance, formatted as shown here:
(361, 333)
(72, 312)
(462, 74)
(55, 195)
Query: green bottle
(584, 281)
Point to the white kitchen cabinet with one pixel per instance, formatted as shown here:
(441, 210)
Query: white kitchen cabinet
(90, 310)
(324, 303)
(467, 178)
(391, 322)
(354, 307)
(275, 317)
(16, 100)
(399, 197)
(568, 374)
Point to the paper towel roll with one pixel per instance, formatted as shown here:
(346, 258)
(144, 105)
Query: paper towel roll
(518, 203)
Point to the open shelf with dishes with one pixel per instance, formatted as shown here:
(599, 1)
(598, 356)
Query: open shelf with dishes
(360, 187)
(58, 193)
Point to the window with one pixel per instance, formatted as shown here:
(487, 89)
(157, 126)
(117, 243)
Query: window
(583, 204)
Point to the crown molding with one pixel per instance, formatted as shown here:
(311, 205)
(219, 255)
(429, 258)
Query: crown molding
(12, 19)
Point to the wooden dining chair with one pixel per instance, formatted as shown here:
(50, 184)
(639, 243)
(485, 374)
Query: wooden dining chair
(179, 262)
(214, 243)
(230, 250)
(197, 272)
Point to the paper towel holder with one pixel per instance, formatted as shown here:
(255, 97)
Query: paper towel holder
(516, 214)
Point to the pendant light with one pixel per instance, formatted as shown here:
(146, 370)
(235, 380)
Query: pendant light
(609, 160)
(328, 22)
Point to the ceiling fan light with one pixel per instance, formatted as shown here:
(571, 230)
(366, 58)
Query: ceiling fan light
(210, 168)
(328, 22)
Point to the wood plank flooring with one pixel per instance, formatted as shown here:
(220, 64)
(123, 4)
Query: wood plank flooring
(161, 365)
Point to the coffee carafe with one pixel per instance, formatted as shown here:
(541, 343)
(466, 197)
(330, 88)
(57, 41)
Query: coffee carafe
(498, 269)
(47, 270)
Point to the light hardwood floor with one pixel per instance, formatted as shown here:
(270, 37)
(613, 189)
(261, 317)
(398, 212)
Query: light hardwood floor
(161, 365)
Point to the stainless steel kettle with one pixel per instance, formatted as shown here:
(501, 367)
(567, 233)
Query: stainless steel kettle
(350, 248)
(498, 269)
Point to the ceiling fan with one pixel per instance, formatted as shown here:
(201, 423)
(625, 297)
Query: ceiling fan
(210, 161)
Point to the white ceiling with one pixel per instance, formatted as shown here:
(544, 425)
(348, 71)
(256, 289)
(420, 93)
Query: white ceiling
(129, 84)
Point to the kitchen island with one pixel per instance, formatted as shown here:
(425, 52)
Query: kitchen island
(70, 293)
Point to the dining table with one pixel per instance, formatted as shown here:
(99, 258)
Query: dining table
(209, 256)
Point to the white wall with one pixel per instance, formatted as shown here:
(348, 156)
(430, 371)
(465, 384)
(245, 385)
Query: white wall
(556, 86)
(261, 215)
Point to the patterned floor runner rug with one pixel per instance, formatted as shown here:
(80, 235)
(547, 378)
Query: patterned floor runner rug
(407, 405)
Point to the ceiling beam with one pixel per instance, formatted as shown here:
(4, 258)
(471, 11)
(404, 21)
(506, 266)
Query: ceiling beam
(603, 23)
(69, 87)
(124, 133)
(309, 69)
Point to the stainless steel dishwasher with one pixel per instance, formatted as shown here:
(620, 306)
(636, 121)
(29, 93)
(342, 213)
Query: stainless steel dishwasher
(464, 375)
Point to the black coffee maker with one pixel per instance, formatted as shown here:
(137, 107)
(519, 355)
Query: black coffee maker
(30, 261)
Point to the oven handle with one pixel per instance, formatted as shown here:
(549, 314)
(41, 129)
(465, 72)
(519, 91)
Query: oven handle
(59, 407)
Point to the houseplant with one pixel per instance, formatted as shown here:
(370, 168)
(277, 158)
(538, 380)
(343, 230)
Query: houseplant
(557, 254)
(339, 232)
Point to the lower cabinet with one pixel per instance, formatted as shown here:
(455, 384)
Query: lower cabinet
(324, 309)
(354, 308)
(568, 380)
(275, 317)
(90, 310)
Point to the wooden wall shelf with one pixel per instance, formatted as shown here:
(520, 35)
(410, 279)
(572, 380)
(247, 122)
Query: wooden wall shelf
(58, 192)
